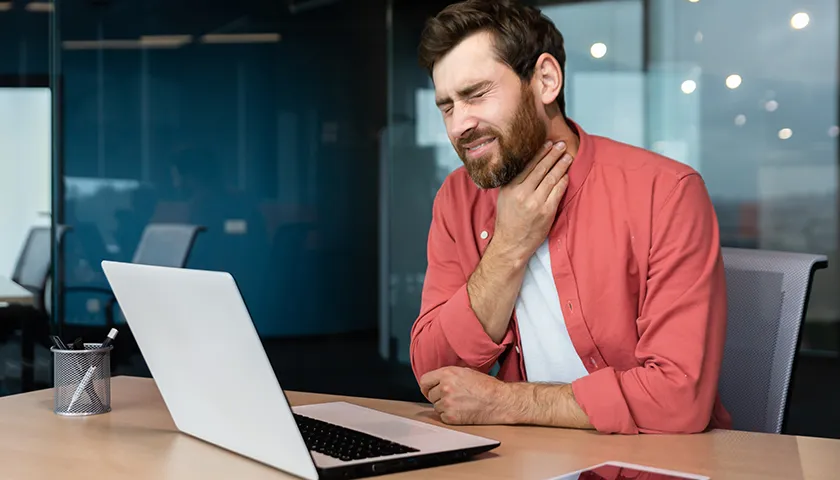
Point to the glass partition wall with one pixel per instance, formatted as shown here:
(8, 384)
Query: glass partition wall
(722, 86)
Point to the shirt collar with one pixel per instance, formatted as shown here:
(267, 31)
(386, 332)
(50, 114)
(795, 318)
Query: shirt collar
(582, 163)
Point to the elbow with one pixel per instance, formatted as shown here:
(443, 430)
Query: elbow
(687, 423)
(427, 352)
(685, 415)
(420, 365)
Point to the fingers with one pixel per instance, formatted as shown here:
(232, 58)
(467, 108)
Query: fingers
(553, 177)
(541, 153)
(429, 381)
(544, 165)
(557, 192)
(435, 394)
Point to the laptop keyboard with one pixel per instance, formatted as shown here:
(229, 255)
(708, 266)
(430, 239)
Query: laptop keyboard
(345, 443)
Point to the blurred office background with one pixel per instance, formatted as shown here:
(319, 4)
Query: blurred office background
(300, 142)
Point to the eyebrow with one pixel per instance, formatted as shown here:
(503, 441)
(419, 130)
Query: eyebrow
(467, 91)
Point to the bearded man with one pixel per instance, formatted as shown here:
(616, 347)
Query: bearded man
(588, 271)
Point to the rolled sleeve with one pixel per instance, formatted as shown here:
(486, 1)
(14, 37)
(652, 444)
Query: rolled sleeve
(466, 335)
(600, 397)
(447, 332)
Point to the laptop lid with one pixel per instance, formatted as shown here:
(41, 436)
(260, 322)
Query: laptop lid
(200, 344)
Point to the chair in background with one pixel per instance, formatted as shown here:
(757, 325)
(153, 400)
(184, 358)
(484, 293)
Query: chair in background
(767, 296)
(32, 271)
(162, 244)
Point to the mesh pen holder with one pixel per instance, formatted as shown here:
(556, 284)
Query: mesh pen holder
(82, 380)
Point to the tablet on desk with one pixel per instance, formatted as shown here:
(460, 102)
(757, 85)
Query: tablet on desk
(622, 471)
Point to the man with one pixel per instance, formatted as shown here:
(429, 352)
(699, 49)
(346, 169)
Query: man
(588, 270)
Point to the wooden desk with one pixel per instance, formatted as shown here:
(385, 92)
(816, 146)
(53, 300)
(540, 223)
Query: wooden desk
(11, 292)
(138, 440)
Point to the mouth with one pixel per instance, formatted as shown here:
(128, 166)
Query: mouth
(479, 148)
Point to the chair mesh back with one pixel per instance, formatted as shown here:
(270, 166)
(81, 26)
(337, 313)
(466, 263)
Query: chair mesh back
(767, 294)
(33, 264)
(166, 245)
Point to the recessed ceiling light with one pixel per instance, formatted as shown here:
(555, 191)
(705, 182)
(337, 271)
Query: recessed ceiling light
(740, 120)
(733, 81)
(800, 20)
(688, 86)
(785, 133)
(598, 50)
(771, 105)
(833, 131)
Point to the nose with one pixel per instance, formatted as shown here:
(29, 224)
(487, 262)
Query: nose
(462, 122)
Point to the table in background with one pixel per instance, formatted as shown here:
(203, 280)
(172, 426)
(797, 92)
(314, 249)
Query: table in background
(138, 440)
(12, 293)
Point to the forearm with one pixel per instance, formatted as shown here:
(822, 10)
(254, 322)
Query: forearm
(494, 287)
(543, 405)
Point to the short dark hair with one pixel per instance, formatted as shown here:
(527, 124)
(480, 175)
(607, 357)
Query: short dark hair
(521, 34)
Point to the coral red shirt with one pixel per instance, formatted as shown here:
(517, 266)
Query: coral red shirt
(635, 256)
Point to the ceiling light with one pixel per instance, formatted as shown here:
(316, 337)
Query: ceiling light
(771, 106)
(785, 133)
(733, 81)
(165, 41)
(40, 7)
(106, 44)
(800, 20)
(833, 131)
(241, 38)
(740, 120)
(5, 6)
(598, 50)
(146, 41)
(693, 1)
(698, 37)
(688, 86)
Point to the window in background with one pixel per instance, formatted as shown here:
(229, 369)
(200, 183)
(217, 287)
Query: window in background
(605, 77)
(25, 157)
(747, 94)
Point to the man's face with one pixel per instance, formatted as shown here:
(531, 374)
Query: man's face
(490, 114)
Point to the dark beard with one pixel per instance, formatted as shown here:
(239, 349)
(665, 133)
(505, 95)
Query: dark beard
(518, 145)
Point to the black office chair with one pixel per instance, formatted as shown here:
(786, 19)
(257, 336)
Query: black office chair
(32, 271)
(162, 244)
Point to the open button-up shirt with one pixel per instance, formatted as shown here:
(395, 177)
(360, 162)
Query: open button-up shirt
(636, 260)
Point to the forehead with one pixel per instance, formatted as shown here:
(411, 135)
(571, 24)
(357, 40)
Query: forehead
(471, 61)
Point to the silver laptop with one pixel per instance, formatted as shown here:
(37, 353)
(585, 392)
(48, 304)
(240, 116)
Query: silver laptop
(197, 337)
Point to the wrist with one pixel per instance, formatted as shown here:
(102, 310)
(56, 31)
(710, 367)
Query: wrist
(515, 403)
(509, 256)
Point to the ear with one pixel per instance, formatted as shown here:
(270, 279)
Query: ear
(547, 79)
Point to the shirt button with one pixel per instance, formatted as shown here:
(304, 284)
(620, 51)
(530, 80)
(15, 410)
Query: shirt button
(484, 235)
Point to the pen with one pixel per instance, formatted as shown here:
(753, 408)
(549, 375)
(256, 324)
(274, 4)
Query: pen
(59, 344)
(86, 379)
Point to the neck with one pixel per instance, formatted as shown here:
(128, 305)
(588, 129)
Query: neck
(559, 129)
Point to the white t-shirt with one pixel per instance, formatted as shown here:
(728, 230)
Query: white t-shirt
(546, 347)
